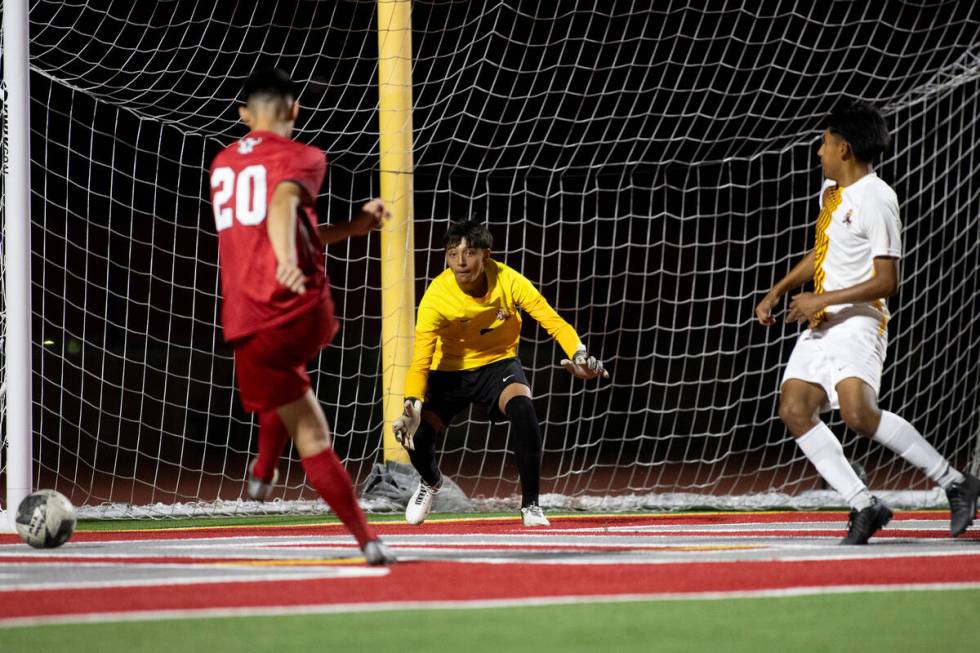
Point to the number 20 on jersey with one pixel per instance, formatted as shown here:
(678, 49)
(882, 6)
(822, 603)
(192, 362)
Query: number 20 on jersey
(240, 197)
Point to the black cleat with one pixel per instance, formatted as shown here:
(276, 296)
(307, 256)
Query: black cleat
(862, 524)
(962, 503)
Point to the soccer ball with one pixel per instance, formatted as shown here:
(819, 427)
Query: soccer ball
(45, 519)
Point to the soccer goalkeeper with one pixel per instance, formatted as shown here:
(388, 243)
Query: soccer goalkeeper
(466, 337)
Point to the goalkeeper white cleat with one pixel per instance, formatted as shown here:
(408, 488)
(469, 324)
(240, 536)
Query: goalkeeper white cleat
(420, 504)
(259, 490)
(377, 553)
(534, 516)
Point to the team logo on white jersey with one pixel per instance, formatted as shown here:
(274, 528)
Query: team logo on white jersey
(847, 218)
(247, 144)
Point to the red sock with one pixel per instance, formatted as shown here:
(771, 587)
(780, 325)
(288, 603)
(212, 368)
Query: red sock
(273, 437)
(329, 478)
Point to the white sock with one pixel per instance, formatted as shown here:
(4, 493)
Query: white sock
(902, 438)
(821, 446)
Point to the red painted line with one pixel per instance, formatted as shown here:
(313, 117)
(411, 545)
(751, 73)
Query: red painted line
(439, 581)
(887, 532)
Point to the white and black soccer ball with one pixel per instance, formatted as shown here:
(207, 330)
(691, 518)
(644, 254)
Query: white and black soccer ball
(45, 519)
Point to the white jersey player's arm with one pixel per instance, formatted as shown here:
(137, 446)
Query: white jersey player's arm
(799, 275)
(882, 284)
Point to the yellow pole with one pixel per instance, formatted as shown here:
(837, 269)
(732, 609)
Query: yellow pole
(397, 240)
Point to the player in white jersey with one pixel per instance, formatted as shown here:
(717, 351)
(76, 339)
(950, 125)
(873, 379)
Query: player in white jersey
(838, 359)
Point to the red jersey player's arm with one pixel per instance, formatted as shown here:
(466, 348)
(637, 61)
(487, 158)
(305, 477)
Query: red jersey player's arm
(281, 227)
(372, 216)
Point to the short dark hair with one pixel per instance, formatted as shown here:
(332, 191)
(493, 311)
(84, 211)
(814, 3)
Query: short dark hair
(268, 83)
(475, 232)
(863, 127)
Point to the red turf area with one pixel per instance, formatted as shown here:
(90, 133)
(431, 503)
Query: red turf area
(441, 581)
(447, 581)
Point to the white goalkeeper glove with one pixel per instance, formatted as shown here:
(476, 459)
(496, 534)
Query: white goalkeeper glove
(407, 423)
(583, 366)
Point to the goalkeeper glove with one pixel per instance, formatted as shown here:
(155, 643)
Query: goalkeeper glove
(584, 366)
(407, 423)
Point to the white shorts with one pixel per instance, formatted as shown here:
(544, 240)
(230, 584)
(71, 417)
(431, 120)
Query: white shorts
(844, 347)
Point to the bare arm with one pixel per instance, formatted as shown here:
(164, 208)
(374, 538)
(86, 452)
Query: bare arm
(883, 283)
(800, 274)
(372, 216)
(281, 227)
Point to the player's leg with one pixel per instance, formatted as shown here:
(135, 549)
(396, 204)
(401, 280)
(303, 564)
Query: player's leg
(262, 472)
(448, 394)
(799, 406)
(306, 423)
(515, 403)
(423, 458)
(272, 376)
(859, 408)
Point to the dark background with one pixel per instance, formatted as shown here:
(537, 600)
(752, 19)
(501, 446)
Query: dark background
(652, 170)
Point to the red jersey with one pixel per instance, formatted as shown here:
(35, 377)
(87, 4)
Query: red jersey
(243, 178)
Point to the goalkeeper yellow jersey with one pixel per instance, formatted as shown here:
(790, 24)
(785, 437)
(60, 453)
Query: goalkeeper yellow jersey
(455, 331)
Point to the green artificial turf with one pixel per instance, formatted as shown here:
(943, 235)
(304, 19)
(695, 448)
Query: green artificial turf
(868, 622)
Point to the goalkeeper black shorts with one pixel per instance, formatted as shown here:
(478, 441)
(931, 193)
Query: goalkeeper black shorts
(452, 392)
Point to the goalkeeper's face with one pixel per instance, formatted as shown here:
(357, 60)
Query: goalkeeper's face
(467, 263)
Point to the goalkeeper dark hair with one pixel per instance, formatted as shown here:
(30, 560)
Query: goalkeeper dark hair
(268, 84)
(475, 232)
(863, 127)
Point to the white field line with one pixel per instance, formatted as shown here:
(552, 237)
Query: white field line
(319, 574)
(714, 554)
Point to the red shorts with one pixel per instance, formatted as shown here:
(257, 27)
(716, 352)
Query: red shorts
(271, 364)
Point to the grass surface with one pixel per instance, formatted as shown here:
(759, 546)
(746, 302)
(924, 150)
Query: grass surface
(833, 623)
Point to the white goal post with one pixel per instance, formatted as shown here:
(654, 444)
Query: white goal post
(15, 250)
(649, 166)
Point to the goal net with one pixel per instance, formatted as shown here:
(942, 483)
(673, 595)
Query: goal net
(651, 170)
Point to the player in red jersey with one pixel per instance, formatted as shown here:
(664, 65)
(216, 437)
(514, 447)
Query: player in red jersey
(277, 311)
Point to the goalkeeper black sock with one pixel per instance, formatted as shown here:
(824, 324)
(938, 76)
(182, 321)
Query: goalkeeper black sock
(526, 444)
(423, 457)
